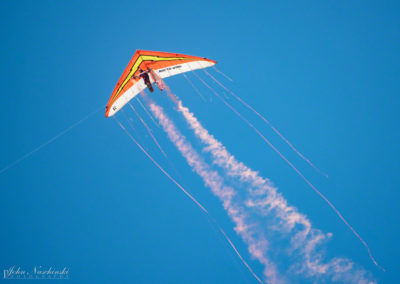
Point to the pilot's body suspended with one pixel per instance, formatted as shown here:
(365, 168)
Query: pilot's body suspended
(145, 76)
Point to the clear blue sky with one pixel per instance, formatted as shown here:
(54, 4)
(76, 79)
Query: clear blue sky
(326, 74)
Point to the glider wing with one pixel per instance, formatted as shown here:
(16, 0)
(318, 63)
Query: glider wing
(164, 64)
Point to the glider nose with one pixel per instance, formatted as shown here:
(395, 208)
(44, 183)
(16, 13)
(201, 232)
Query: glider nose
(110, 111)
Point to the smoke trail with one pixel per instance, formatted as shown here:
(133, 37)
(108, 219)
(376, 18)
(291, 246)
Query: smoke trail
(194, 87)
(178, 103)
(299, 173)
(250, 232)
(49, 141)
(193, 199)
(149, 131)
(265, 199)
(270, 125)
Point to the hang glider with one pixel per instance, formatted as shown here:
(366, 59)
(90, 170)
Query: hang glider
(148, 67)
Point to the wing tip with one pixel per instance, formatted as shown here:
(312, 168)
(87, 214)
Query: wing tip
(107, 114)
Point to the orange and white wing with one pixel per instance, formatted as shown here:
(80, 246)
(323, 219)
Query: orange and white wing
(164, 64)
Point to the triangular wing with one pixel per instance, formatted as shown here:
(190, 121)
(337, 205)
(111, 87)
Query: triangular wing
(164, 64)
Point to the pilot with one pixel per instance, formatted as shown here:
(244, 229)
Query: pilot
(145, 76)
(146, 79)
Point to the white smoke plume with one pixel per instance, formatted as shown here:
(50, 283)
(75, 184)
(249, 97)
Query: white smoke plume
(296, 170)
(250, 232)
(263, 200)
